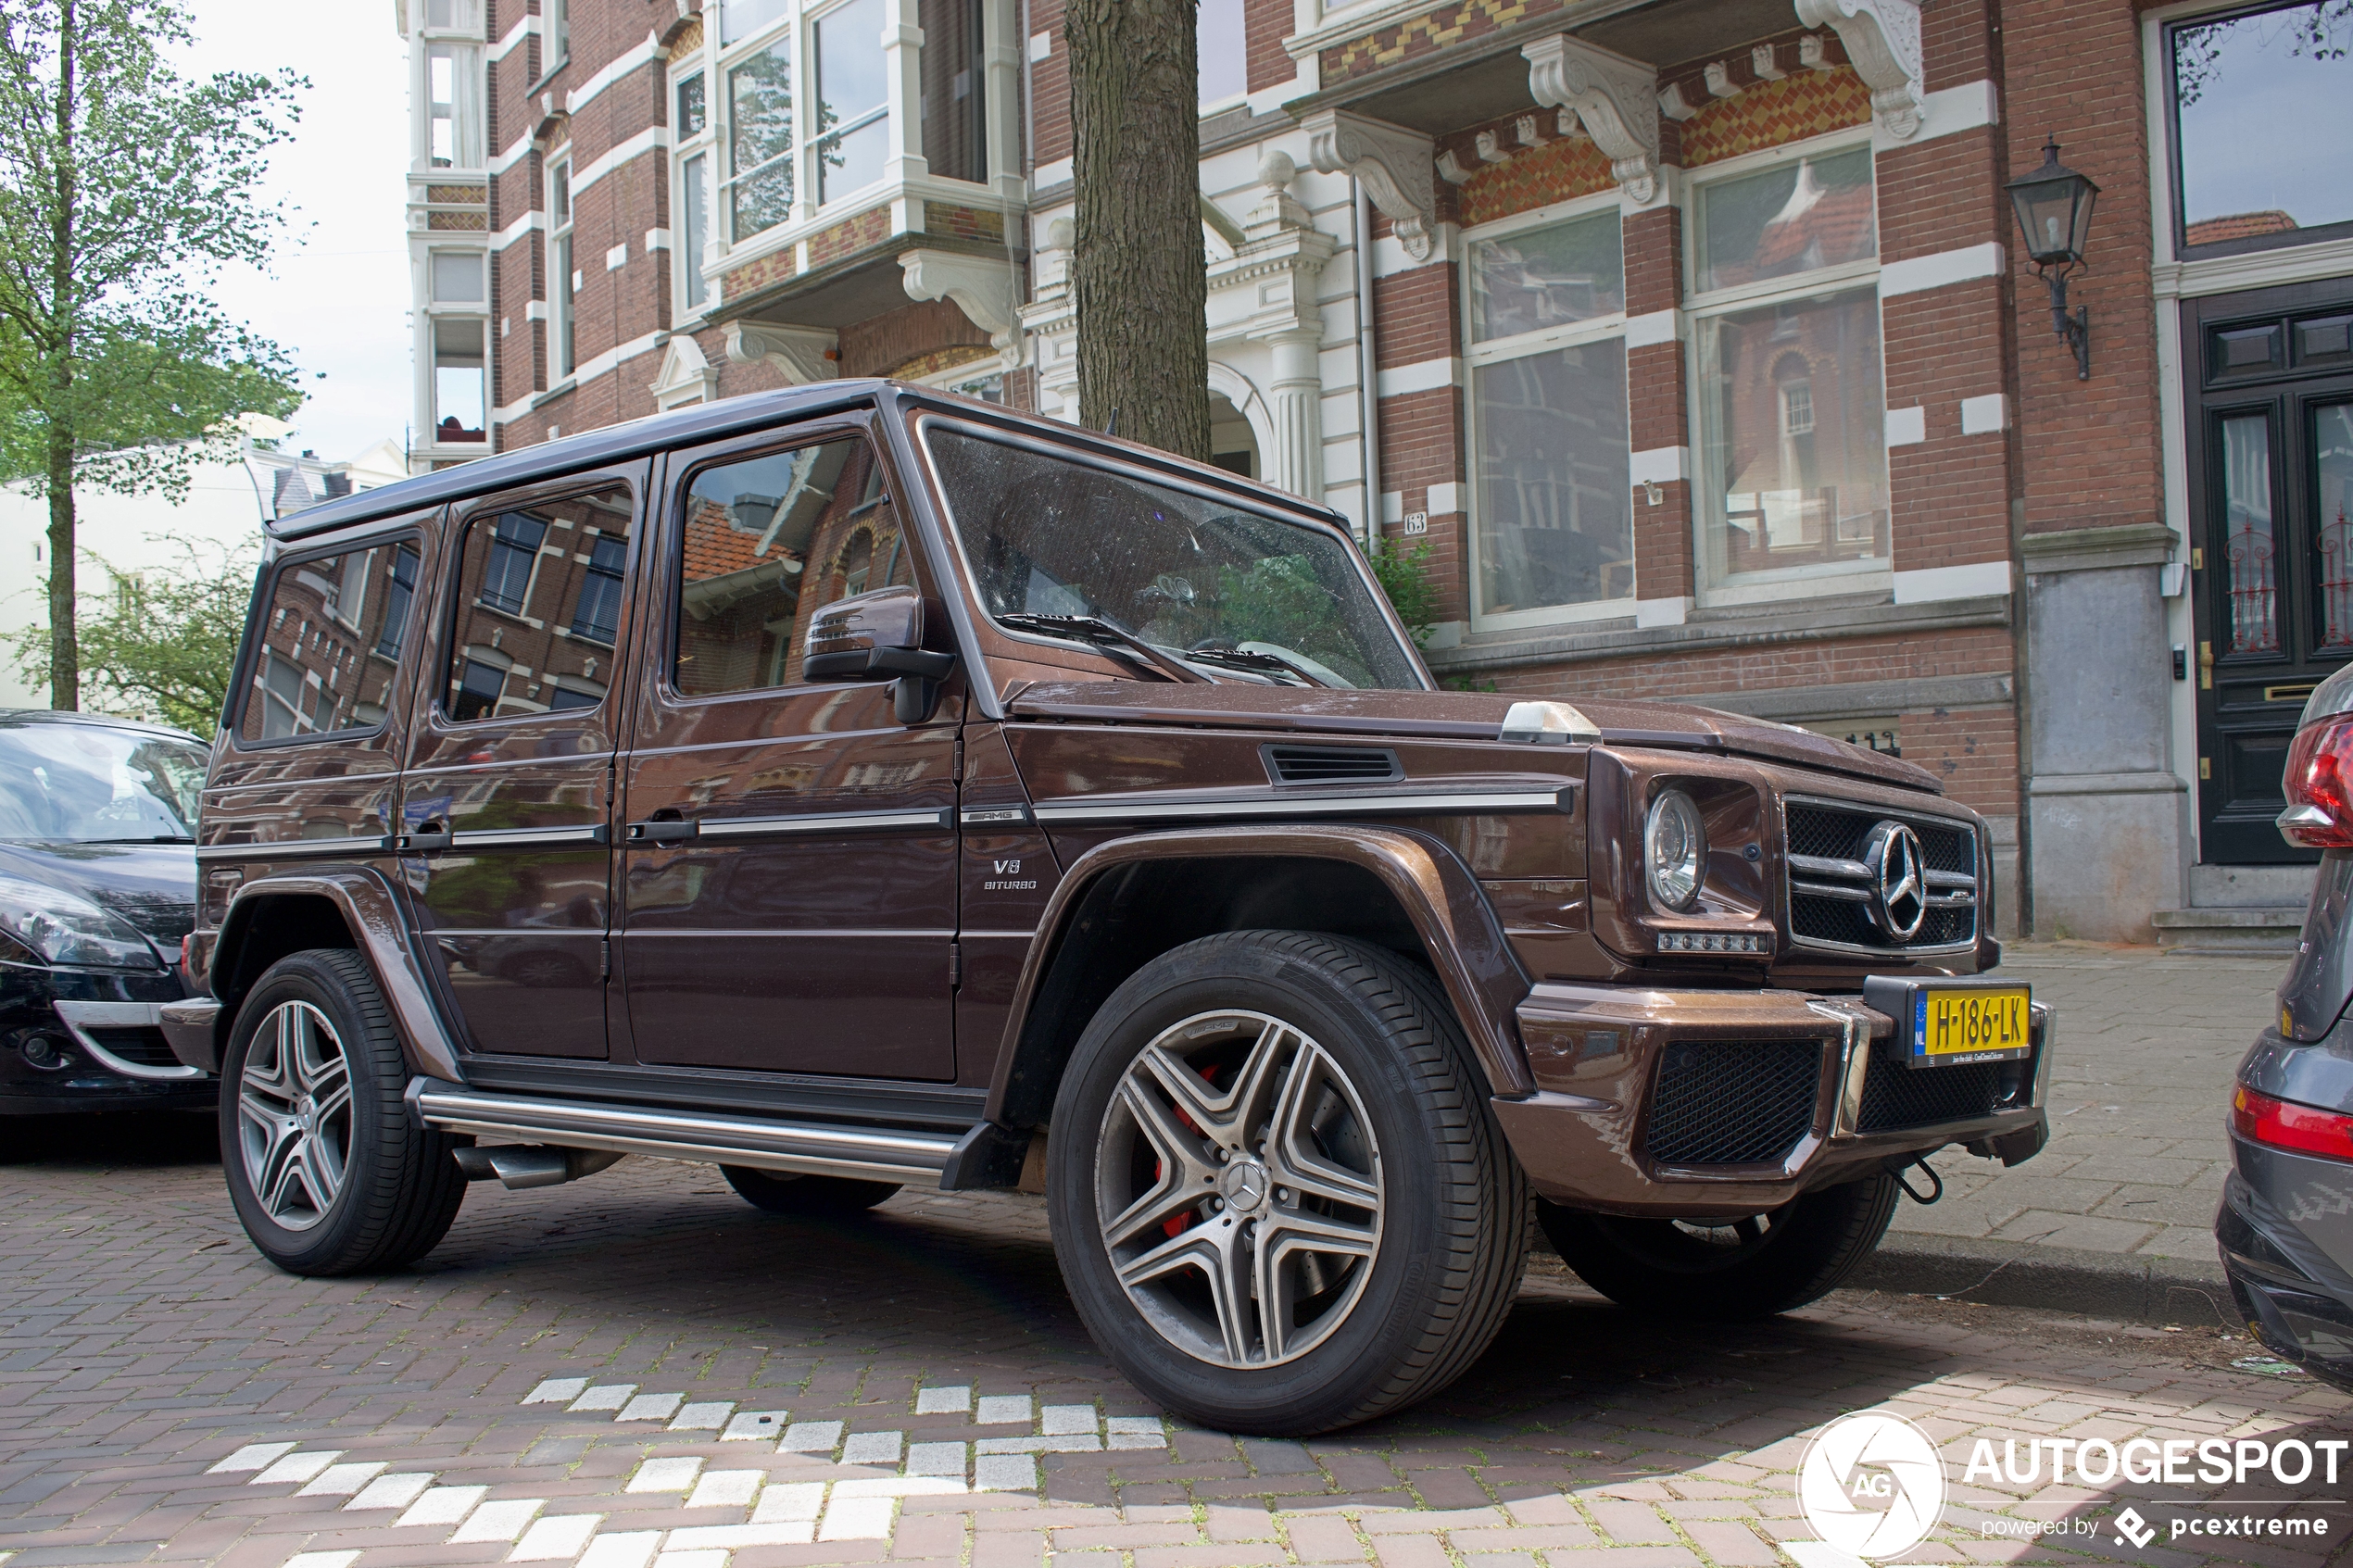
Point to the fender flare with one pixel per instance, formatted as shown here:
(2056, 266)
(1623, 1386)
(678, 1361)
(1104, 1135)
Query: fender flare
(371, 912)
(1442, 899)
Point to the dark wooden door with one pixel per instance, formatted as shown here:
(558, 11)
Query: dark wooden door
(789, 873)
(2272, 479)
(507, 799)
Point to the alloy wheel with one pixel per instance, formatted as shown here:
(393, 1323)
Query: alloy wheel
(1238, 1189)
(294, 1114)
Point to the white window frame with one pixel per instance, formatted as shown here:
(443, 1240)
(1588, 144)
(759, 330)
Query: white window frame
(805, 114)
(686, 264)
(1876, 575)
(1520, 345)
(562, 266)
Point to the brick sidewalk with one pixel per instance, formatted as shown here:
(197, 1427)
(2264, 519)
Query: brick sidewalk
(2148, 1044)
(579, 1374)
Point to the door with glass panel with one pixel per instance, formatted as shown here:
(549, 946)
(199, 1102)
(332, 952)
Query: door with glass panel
(2272, 472)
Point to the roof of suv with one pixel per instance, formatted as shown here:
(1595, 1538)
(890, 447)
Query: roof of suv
(17, 718)
(708, 422)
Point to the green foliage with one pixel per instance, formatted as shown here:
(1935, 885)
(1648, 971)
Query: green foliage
(1404, 575)
(123, 190)
(159, 645)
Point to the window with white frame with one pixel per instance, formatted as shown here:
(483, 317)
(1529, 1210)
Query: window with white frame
(1225, 68)
(459, 377)
(2262, 114)
(558, 15)
(463, 16)
(802, 92)
(563, 281)
(690, 189)
(453, 106)
(1551, 503)
(1789, 377)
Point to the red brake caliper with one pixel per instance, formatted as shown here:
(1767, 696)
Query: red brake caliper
(1177, 1225)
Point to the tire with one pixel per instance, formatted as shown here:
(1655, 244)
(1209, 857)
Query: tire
(1725, 1273)
(315, 1037)
(1368, 1092)
(809, 1195)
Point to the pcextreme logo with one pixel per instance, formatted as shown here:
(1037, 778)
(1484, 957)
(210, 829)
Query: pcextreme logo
(1871, 1484)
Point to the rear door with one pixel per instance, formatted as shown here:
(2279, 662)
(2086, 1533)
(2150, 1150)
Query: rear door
(507, 801)
(789, 871)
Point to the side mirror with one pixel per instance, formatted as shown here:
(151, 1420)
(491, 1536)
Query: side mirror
(878, 634)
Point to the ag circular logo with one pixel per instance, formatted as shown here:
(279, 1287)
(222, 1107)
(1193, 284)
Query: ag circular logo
(1871, 1484)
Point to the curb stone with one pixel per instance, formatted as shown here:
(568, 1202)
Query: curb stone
(2012, 1273)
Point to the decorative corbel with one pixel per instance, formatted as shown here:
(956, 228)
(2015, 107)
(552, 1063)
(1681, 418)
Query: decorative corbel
(1489, 147)
(1450, 169)
(1882, 39)
(801, 355)
(1763, 66)
(1718, 76)
(1615, 100)
(1814, 55)
(982, 288)
(1397, 166)
(1530, 130)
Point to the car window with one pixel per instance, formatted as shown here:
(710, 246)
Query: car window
(330, 644)
(540, 590)
(767, 543)
(86, 784)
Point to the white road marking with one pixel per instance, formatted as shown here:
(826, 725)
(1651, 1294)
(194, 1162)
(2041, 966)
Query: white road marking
(726, 1489)
(253, 1456)
(501, 1521)
(556, 1535)
(754, 1424)
(856, 1519)
(709, 1417)
(943, 1401)
(665, 1475)
(651, 1407)
(391, 1491)
(625, 1549)
(340, 1480)
(1005, 1473)
(297, 1467)
(811, 1438)
(872, 1448)
(556, 1391)
(1004, 1410)
(1065, 1421)
(607, 1396)
(442, 1505)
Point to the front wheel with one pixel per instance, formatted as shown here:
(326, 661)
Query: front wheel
(327, 1175)
(1278, 1195)
(1724, 1270)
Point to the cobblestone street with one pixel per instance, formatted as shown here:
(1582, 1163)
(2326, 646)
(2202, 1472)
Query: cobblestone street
(639, 1369)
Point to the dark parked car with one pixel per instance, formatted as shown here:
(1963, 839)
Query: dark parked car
(97, 887)
(2285, 1225)
(854, 786)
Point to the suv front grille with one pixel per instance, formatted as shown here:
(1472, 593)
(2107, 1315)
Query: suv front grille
(1897, 1095)
(140, 1045)
(1830, 889)
(1734, 1103)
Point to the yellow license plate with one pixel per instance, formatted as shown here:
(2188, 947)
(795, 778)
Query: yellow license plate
(1951, 1028)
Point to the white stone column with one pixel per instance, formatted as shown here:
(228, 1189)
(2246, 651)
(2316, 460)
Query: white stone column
(903, 47)
(999, 65)
(1295, 400)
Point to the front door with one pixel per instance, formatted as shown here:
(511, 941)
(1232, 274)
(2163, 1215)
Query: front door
(506, 800)
(788, 877)
(2271, 472)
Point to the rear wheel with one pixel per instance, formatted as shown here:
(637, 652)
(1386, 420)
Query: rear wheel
(326, 1173)
(1730, 1269)
(1278, 1195)
(780, 1191)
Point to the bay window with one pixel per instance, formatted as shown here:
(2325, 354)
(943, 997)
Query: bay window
(853, 100)
(453, 111)
(1551, 506)
(1793, 446)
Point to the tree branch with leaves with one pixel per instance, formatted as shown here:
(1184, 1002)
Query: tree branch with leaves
(124, 189)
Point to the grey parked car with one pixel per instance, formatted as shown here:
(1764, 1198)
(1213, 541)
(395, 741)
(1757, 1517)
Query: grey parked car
(2285, 1226)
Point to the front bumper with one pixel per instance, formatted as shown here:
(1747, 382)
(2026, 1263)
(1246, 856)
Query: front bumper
(80, 1040)
(1689, 1104)
(2296, 1298)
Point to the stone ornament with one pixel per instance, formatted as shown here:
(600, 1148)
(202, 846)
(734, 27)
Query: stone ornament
(799, 354)
(1615, 98)
(1882, 39)
(1397, 166)
(982, 288)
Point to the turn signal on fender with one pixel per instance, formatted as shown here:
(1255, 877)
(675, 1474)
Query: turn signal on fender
(2282, 1124)
(2319, 786)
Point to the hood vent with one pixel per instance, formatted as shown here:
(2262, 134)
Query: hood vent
(1331, 764)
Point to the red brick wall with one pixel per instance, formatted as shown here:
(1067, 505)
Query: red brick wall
(1265, 23)
(1049, 86)
(1951, 493)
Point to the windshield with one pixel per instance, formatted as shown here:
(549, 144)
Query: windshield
(1238, 594)
(84, 783)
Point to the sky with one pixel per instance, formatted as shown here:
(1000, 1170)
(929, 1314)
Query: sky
(337, 296)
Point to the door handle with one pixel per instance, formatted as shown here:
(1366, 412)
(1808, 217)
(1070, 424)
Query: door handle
(2206, 667)
(432, 834)
(661, 829)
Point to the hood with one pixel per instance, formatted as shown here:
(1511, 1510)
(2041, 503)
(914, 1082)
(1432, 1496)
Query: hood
(1454, 716)
(150, 887)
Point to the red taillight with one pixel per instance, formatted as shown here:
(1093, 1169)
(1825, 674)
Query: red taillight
(2284, 1124)
(2319, 786)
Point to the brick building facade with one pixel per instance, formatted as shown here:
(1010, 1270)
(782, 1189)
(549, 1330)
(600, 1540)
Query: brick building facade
(1696, 341)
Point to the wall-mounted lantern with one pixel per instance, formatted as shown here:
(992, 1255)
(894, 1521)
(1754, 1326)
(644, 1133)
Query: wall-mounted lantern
(2054, 207)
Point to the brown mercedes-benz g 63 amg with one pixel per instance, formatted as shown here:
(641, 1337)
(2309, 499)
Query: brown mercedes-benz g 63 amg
(854, 786)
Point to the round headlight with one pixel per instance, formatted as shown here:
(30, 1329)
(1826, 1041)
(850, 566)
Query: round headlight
(1674, 849)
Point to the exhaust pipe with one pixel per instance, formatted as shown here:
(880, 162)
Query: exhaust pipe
(516, 1166)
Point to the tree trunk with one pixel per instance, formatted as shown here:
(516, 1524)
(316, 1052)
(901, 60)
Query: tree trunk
(1139, 274)
(65, 649)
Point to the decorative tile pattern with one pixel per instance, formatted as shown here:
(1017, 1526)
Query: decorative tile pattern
(1425, 34)
(1808, 103)
(868, 227)
(1535, 177)
(964, 222)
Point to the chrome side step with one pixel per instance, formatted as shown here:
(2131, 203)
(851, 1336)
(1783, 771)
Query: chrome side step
(803, 1148)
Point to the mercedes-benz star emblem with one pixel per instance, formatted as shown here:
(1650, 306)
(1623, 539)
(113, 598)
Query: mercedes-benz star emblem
(1899, 885)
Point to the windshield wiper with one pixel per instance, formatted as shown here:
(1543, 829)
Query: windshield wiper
(1264, 663)
(159, 839)
(1094, 631)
